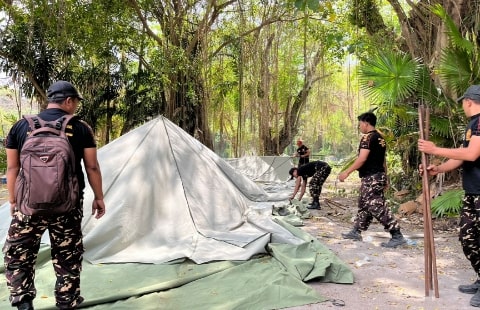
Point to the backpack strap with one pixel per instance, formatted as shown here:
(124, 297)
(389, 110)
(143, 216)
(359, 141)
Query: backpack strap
(36, 122)
(33, 121)
(62, 122)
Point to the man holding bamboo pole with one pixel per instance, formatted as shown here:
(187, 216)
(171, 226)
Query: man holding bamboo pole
(468, 157)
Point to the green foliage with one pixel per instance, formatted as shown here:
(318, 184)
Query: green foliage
(3, 160)
(455, 36)
(459, 62)
(455, 67)
(395, 169)
(348, 162)
(303, 4)
(365, 14)
(389, 77)
(448, 204)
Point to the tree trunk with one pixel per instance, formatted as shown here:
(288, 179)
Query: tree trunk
(274, 145)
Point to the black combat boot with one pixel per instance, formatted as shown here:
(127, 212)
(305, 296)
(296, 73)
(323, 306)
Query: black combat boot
(475, 300)
(354, 234)
(397, 239)
(469, 288)
(25, 305)
(315, 204)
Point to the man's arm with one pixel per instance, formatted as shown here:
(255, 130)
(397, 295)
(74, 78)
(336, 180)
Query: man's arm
(470, 153)
(298, 181)
(13, 168)
(358, 163)
(450, 164)
(94, 176)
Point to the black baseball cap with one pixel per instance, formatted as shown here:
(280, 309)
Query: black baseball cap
(473, 92)
(61, 90)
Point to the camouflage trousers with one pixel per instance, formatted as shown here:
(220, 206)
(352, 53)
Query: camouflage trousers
(371, 204)
(21, 251)
(470, 230)
(317, 180)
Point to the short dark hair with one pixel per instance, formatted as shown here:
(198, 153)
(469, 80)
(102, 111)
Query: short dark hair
(368, 117)
(290, 172)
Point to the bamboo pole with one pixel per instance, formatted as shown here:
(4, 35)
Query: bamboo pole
(429, 244)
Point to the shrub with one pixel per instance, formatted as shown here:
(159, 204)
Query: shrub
(448, 203)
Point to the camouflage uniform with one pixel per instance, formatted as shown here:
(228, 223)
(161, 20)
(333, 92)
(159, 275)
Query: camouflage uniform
(371, 204)
(470, 214)
(317, 180)
(21, 248)
(469, 233)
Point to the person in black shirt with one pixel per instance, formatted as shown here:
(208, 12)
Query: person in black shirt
(467, 156)
(303, 153)
(319, 172)
(372, 169)
(65, 230)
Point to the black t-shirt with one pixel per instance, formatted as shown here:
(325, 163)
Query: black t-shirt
(374, 142)
(79, 134)
(471, 169)
(308, 170)
(302, 150)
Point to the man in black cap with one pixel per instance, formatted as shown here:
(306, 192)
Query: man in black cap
(319, 172)
(467, 156)
(23, 239)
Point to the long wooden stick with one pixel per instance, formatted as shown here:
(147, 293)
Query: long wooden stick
(429, 244)
(429, 198)
(427, 223)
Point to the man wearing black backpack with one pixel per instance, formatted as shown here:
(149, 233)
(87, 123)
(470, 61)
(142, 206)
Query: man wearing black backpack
(24, 235)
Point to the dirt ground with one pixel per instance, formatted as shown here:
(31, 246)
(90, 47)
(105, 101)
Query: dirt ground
(390, 278)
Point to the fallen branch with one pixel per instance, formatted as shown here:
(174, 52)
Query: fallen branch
(331, 203)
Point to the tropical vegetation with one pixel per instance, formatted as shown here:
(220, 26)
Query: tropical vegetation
(250, 77)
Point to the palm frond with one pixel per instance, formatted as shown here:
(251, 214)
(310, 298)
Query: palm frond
(455, 68)
(440, 126)
(388, 77)
(454, 35)
(427, 91)
(348, 162)
(448, 204)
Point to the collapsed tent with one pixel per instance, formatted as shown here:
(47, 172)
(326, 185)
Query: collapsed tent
(177, 213)
(171, 197)
(263, 168)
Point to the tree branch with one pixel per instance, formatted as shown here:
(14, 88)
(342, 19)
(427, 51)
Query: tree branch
(136, 7)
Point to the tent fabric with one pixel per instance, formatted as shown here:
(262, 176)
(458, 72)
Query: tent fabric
(169, 197)
(271, 281)
(263, 168)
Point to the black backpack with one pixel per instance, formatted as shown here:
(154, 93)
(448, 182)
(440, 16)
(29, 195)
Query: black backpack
(47, 183)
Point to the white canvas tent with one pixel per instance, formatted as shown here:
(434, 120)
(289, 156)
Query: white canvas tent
(169, 197)
(263, 168)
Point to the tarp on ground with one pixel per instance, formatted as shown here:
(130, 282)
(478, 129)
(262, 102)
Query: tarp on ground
(271, 281)
(170, 200)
